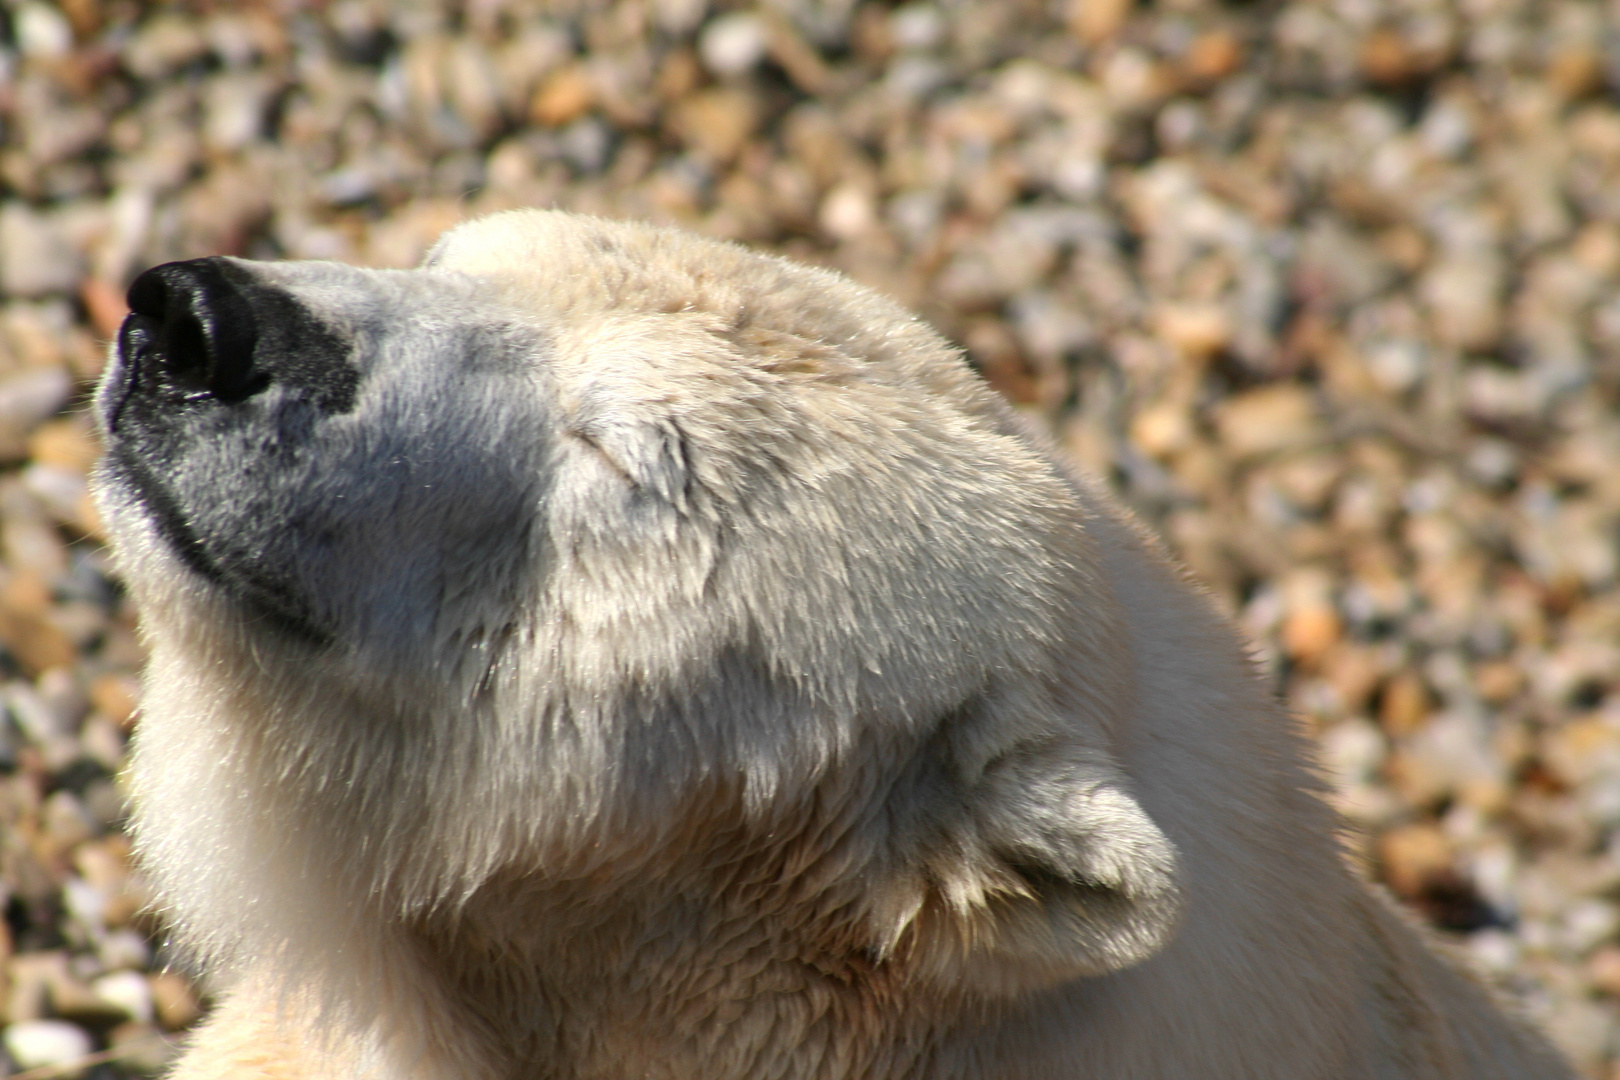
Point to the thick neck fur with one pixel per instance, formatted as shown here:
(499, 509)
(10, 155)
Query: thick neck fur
(749, 958)
(713, 941)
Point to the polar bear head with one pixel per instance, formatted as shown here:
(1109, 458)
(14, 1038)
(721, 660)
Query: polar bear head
(589, 547)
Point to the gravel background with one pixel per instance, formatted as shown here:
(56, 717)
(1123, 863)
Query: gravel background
(1327, 288)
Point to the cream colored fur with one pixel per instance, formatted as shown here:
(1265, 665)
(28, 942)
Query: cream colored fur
(714, 681)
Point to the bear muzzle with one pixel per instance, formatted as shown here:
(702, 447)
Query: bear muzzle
(209, 332)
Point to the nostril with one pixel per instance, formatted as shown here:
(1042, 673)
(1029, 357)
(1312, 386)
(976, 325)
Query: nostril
(149, 293)
(197, 327)
(191, 357)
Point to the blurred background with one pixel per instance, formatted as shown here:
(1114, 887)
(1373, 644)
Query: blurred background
(1326, 288)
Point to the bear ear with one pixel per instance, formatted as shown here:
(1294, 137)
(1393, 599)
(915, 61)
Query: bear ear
(648, 452)
(1055, 871)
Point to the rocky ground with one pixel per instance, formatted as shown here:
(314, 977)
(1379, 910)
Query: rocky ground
(1327, 289)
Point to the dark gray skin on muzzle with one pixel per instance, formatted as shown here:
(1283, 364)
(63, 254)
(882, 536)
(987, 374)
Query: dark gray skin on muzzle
(282, 426)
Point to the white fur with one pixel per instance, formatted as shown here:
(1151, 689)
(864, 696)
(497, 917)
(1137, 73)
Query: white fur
(720, 683)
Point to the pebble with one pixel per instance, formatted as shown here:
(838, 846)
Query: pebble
(27, 398)
(1406, 704)
(1267, 420)
(32, 973)
(35, 1044)
(1603, 968)
(734, 44)
(163, 44)
(563, 96)
(1413, 856)
(37, 258)
(716, 122)
(1197, 330)
(847, 212)
(1584, 750)
(127, 991)
(234, 110)
(142, 1049)
(174, 1000)
(42, 31)
(1588, 923)
(124, 949)
(1353, 751)
(115, 696)
(1496, 952)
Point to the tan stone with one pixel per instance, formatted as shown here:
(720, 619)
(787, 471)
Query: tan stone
(1162, 428)
(1582, 749)
(1603, 968)
(1354, 672)
(715, 122)
(174, 1000)
(564, 97)
(1194, 330)
(1499, 681)
(1309, 632)
(116, 696)
(1276, 417)
(69, 443)
(104, 304)
(1575, 71)
(1094, 21)
(1212, 56)
(1412, 856)
(25, 630)
(1405, 704)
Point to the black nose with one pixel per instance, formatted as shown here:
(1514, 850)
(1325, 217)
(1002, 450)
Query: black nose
(197, 327)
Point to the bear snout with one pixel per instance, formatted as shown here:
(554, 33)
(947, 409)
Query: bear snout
(215, 333)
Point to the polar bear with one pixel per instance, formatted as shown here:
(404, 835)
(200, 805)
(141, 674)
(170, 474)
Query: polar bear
(604, 652)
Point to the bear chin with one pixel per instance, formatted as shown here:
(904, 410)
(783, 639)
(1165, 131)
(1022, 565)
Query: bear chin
(603, 651)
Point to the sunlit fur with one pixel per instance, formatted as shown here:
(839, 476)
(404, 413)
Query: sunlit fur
(720, 683)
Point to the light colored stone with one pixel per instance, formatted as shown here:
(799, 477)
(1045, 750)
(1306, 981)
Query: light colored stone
(235, 105)
(1450, 756)
(162, 44)
(1309, 632)
(41, 30)
(1603, 968)
(1353, 751)
(1464, 299)
(733, 44)
(37, 257)
(917, 26)
(127, 991)
(124, 949)
(847, 212)
(37, 1044)
(1163, 428)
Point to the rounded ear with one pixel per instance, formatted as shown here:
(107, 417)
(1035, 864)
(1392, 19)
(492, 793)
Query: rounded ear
(648, 452)
(1053, 872)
